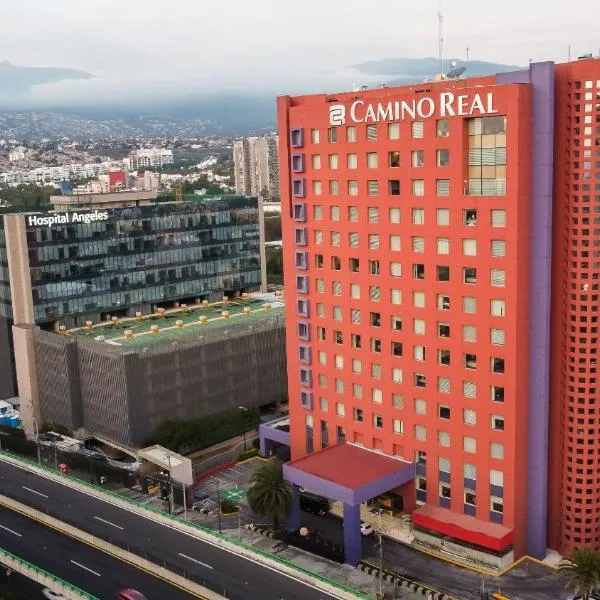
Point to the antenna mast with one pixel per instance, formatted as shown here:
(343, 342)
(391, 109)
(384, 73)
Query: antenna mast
(441, 38)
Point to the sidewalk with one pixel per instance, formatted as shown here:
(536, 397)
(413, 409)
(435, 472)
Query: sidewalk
(345, 574)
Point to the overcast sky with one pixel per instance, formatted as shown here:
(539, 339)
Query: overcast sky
(278, 45)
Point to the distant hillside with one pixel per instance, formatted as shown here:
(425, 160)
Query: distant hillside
(16, 80)
(407, 70)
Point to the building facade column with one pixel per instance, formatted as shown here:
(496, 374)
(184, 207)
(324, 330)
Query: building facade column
(292, 519)
(352, 535)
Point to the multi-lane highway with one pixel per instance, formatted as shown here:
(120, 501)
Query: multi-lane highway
(219, 570)
(75, 562)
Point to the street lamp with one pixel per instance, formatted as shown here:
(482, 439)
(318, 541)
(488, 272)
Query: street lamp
(244, 413)
(168, 457)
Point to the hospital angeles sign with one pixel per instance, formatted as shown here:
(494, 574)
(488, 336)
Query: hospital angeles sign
(445, 105)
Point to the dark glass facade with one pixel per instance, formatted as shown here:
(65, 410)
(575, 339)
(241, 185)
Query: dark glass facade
(5, 305)
(139, 257)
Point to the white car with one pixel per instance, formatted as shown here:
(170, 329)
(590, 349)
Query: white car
(365, 528)
(48, 593)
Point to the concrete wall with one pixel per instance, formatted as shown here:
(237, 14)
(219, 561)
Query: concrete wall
(124, 396)
(7, 381)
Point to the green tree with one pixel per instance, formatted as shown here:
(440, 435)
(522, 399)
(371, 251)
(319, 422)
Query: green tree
(274, 265)
(582, 569)
(270, 495)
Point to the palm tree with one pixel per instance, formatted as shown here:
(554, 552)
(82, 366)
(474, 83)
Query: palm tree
(583, 571)
(270, 495)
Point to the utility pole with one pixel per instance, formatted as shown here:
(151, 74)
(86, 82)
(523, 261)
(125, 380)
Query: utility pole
(184, 501)
(381, 593)
(219, 503)
(244, 411)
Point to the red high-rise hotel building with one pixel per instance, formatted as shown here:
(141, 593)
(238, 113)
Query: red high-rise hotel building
(442, 256)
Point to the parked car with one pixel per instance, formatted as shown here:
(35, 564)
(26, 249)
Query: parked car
(365, 528)
(51, 595)
(131, 594)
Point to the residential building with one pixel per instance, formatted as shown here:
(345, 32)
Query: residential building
(424, 260)
(148, 157)
(256, 166)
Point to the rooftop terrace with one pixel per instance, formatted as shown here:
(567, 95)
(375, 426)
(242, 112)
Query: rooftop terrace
(184, 323)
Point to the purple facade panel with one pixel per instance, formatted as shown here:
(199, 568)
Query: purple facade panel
(352, 535)
(404, 474)
(541, 77)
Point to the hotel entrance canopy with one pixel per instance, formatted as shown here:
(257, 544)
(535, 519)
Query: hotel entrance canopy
(349, 473)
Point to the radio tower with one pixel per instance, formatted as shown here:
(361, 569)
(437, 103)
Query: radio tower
(441, 39)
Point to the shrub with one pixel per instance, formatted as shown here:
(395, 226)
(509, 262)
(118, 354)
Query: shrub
(246, 454)
(228, 507)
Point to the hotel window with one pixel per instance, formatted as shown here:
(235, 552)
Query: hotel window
(372, 162)
(469, 471)
(499, 218)
(397, 401)
(397, 323)
(417, 158)
(469, 275)
(496, 504)
(321, 334)
(355, 316)
(315, 136)
(375, 293)
(336, 263)
(497, 337)
(356, 366)
(336, 238)
(496, 478)
(339, 386)
(337, 313)
(352, 187)
(351, 133)
(420, 433)
(376, 396)
(497, 422)
(375, 319)
(444, 412)
(395, 243)
(443, 330)
(469, 305)
(445, 493)
(371, 133)
(373, 241)
(332, 135)
(355, 341)
(420, 380)
(443, 158)
(373, 214)
(470, 247)
(372, 187)
(469, 333)
(419, 271)
(317, 187)
(353, 214)
(396, 348)
(418, 187)
(469, 389)
(443, 385)
(340, 409)
(394, 159)
(442, 128)
(443, 302)
(376, 370)
(444, 357)
(338, 337)
(333, 161)
(398, 426)
(394, 131)
(497, 308)
(395, 269)
(416, 128)
(354, 240)
(358, 415)
(396, 375)
(418, 216)
(498, 248)
(357, 391)
(470, 498)
(322, 380)
(498, 278)
(395, 216)
(339, 361)
(320, 309)
(487, 156)
(335, 213)
(443, 216)
(420, 406)
(352, 161)
(355, 291)
(396, 296)
(419, 353)
(444, 439)
(323, 404)
(336, 288)
(497, 365)
(419, 299)
(316, 161)
(354, 264)
(443, 246)
(394, 187)
(418, 245)
(497, 393)
(318, 212)
(497, 450)
(470, 361)
(442, 273)
(470, 217)
(374, 267)
(470, 445)
(442, 187)
(334, 187)
(469, 416)
(320, 286)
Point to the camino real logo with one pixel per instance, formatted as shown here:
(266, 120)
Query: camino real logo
(337, 115)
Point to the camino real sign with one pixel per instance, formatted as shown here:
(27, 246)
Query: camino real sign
(447, 104)
(66, 218)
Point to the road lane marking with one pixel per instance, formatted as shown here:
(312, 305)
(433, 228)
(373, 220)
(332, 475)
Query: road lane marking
(108, 522)
(34, 491)
(196, 561)
(11, 531)
(86, 568)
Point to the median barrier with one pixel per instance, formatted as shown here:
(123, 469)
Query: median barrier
(48, 580)
(207, 535)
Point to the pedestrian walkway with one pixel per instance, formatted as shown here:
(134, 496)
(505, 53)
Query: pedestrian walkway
(344, 574)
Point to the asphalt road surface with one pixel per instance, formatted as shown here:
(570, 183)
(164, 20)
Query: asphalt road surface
(89, 569)
(224, 572)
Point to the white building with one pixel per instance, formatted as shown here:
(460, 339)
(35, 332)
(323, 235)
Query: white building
(148, 157)
(256, 166)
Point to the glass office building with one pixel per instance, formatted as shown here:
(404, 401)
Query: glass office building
(84, 265)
